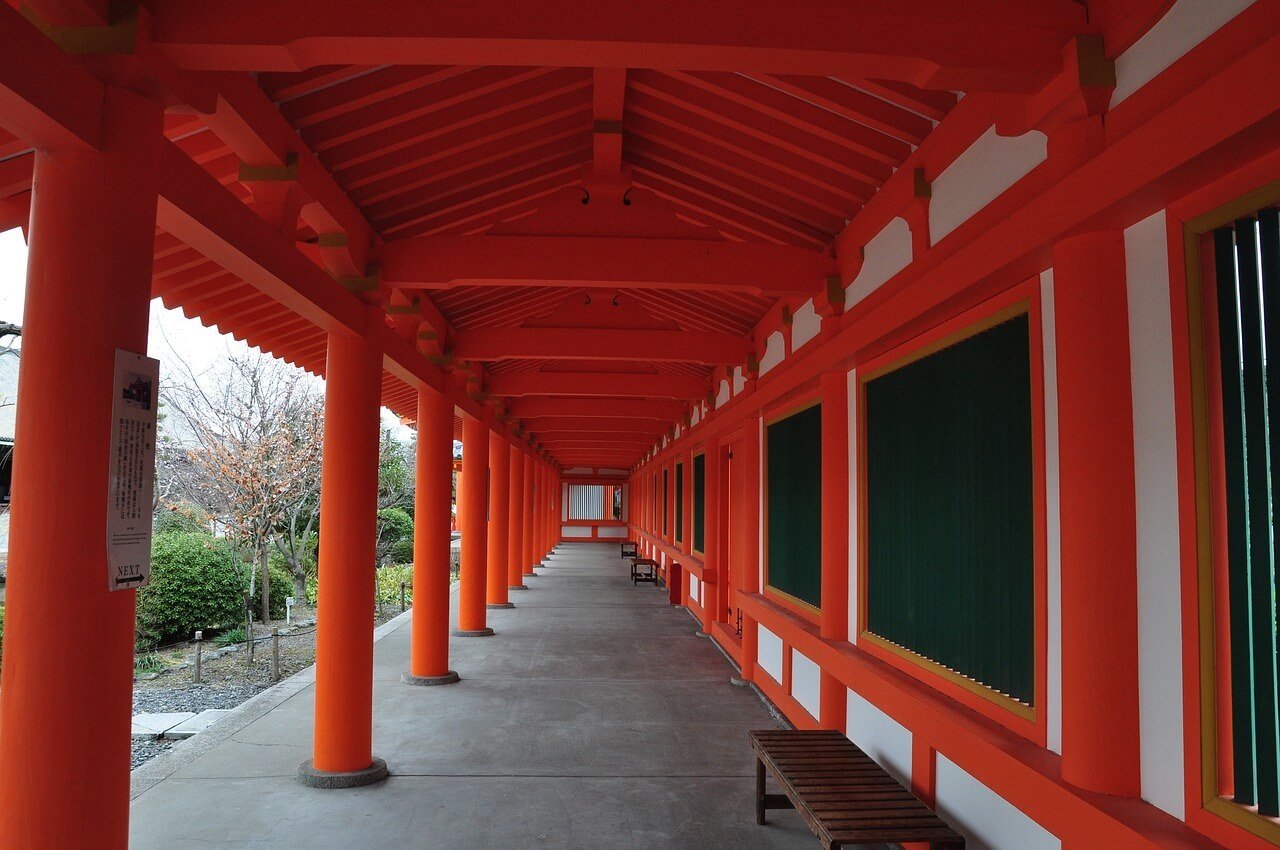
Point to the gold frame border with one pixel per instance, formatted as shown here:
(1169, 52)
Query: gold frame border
(1193, 232)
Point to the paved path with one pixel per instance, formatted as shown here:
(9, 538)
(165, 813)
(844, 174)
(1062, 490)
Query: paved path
(594, 718)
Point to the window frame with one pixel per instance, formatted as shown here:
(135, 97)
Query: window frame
(801, 607)
(694, 505)
(679, 531)
(1206, 604)
(1029, 721)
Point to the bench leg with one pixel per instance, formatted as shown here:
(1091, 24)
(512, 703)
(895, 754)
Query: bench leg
(759, 792)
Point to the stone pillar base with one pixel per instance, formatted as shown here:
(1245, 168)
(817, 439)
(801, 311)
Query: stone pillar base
(312, 778)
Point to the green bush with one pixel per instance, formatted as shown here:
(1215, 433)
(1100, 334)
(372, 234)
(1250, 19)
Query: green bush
(281, 587)
(195, 584)
(388, 587)
(230, 636)
(313, 590)
(180, 518)
(394, 527)
(402, 551)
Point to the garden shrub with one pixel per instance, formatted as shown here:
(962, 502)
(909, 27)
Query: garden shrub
(402, 551)
(195, 584)
(389, 579)
(181, 517)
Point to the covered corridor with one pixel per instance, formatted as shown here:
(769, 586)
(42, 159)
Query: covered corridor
(594, 717)
(921, 344)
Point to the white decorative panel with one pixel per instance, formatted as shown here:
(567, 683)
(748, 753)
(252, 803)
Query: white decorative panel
(806, 682)
(774, 351)
(696, 416)
(987, 820)
(805, 324)
(879, 736)
(611, 531)
(1053, 515)
(739, 381)
(695, 588)
(725, 393)
(769, 653)
(1184, 26)
(575, 531)
(1156, 477)
(991, 164)
(883, 257)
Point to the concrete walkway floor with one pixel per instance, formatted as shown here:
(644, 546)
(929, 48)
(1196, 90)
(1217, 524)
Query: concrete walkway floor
(595, 717)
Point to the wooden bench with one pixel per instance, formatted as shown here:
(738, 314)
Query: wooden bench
(842, 794)
(644, 570)
(629, 549)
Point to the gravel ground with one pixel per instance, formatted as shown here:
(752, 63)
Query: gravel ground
(228, 680)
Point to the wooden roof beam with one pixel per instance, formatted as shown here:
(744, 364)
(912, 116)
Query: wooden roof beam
(596, 409)
(614, 385)
(437, 262)
(995, 45)
(599, 344)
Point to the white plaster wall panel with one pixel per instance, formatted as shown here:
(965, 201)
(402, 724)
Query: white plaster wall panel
(1053, 516)
(575, 530)
(991, 164)
(1155, 458)
(879, 736)
(806, 682)
(769, 653)
(852, 388)
(725, 393)
(696, 416)
(987, 820)
(1185, 25)
(888, 253)
(805, 324)
(739, 380)
(774, 350)
(695, 589)
(611, 531)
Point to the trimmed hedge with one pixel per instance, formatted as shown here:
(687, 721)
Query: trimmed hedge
(195, 584)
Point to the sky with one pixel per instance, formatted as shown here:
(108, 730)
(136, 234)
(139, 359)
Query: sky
(172, 334)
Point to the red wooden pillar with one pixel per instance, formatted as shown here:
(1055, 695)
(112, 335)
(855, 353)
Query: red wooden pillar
(527, 556)
(835, 536)
(92, 232)
(348, 537)
(499, 525)
(750, 469)
(429, 647)
(712, 556)
(515, 519)
(474, 513)
(1099, 527)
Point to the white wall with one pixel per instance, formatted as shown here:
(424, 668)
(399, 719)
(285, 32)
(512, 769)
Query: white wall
(575, 531)
(723, 395)
(977, 177)
(769, 653)
(611, 531)
(878, 735)
(888, 253)
(806, 682)
(805, 324)
(1053, 517)
(1185, 25)
(987, 820)
(1155, 458)
(695, 589)
(774, 351)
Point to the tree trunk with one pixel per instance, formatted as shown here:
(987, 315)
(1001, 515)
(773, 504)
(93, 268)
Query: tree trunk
(299, 582)
(265, 557)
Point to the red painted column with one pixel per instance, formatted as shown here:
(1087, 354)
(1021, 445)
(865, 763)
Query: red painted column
(474, 515)
(527, 556)
(499, 525)
(750, 468)
(64, 782)
(834, 623)
(348, 538)
(515, 519)
(429, 646)
(710, 592)
(1099, 525)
